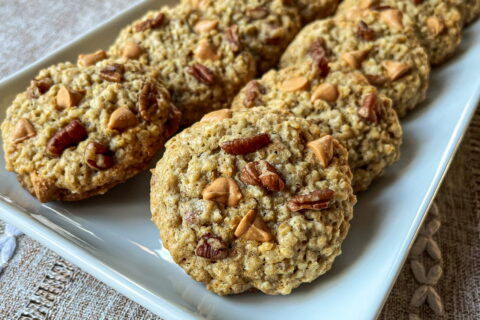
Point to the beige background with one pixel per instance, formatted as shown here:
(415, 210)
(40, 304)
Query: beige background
(38, 284)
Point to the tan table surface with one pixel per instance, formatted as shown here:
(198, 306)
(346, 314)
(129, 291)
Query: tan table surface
(39, 284)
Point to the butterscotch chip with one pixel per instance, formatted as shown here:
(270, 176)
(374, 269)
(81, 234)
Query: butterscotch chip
(323, 149)
(294, 84)
(206, 51)
(325, 91)
(59, 143)
(85, 60)
(355, 58)
(223, 190)
(217, 115)
(393, 18)
(132, 50)
(122, 119)
(435, 25)
(205, 25)
(250, 238)
(396, 70)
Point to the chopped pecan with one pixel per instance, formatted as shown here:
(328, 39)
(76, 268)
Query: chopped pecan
(246, 145)
(23, 131)
(202, 73)
(211, 247)
(417, 1)
(262, 174)
(39, 87)
(364, 31)
(371, 109)
(376, 79)
(113, 73)
(150, 23)
(316, 200)
(173, 120)
(98, 156)
(252, 227)
(147, 101)
(275, 35)
(223, 190)
(319, 56)
(233, 38)
(257, 13)
(253, 90)
(68, 136)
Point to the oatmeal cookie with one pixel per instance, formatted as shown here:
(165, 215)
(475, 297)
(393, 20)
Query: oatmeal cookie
(202, 70)
(389, 56)
(343, 105)
(263, 27)
(256, 199)
(437, 23)
(77, 131)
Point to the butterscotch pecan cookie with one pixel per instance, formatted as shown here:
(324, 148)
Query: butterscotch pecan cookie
(388, 54)
(77, 131)
(263, 27)
(343, 105)
(470, 9)
(315, 9)
(192, 55)
(253, 199)
(437, 23)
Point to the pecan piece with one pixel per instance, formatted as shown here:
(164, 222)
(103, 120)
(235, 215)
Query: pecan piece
(113, 73)
(371, 109)
(68, 136)
(202, 73)
(364, 32)
(246, 145)
(257, 13)
(39, 87)
(319, 56)
(23, 131)
(252, 227)
(147, 101)
(150, 23)
(316, 200)
(98, 156)
(262, 174)
(173, 120)
(223, 190)
(233, 38)
(211, 247)
(253, 90)
(376, 79)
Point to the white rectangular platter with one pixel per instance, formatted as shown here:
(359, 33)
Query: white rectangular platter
(112, 238)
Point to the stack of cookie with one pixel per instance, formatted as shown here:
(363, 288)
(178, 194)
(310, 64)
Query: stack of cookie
(259, 193)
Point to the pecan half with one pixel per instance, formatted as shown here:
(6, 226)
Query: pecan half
(211, 247)
(253, 90)
(262, 174)
(371, 109)
(252, 227)
(113, 73)
(223, 190)
(202, 73)
(364, 32)
(150, 23)
(39, 87)
(23, 131)
(233, 38)
(316, 200)
(68, 136)
(246, 145)
(147, 101)
(98, 156)
(319, 56)
(257, 13)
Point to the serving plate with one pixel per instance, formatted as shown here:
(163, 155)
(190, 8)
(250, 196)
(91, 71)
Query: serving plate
(112, 238)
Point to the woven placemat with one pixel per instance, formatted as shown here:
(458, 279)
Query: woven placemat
(440, 279)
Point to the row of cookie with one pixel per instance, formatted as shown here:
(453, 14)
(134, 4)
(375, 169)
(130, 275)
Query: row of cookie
(202, 51)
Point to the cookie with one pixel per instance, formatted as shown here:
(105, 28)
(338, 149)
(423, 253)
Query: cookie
(192, 56)
(343, 105)
(316, 9)
(77, 131)
(470, 9)
(438, 23)
(243, 201)
(388, 55)
(264, 28)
